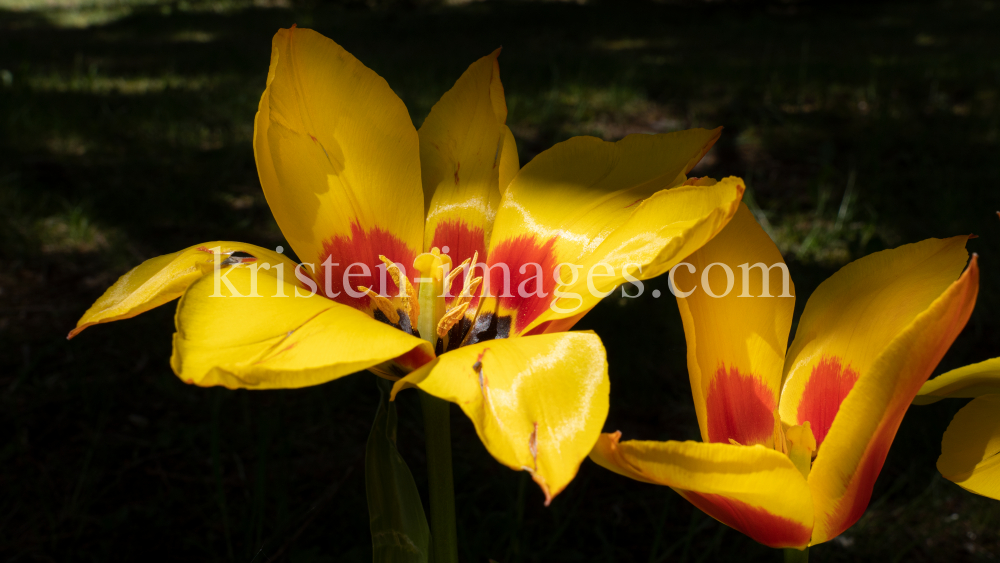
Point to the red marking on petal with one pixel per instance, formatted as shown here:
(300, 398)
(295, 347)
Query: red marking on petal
(739, 407)
(633, 203)
(557, 325)
(362, 248)
(415, 358)
(764, 527)
(457, 167)
(828, 386)
(530, 266)
(462, 241)
(859, 492)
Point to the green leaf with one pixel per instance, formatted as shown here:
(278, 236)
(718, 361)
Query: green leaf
(399, 527)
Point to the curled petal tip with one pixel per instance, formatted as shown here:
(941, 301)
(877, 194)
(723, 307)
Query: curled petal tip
(541, 483)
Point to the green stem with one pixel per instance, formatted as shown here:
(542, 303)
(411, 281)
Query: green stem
(437, 427)
(793, 555)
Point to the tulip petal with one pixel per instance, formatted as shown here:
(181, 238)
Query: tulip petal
(601, 207)
(970, 449)
(753, 489)
(339, 161)
(963, 383)
(853, 316)
(537, 402)
(851, 456)
(165, 278)
(282, 339)
(509, 163)
(462, 145)
(736, 342)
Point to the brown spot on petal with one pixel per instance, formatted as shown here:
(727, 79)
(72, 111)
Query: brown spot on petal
(478, 368)
(533, 445)
(238, 257)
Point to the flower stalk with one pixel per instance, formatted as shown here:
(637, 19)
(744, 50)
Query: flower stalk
(437, 427)
(793, 555)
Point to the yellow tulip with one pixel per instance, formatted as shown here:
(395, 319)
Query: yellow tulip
(970, 448)
(792, 442)
(358, 192)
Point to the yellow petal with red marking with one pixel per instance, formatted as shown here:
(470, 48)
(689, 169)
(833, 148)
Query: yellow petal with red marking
(280, 339)
(964, 383)
(736, 342)
(753, 489)
(339, 161)
(853, 316)
(853, 451)
(537, 402)
(970, 450)
(600, 207)
(462, 143)
(165, 278)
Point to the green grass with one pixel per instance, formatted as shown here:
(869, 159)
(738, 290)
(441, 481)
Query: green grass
(125, 131)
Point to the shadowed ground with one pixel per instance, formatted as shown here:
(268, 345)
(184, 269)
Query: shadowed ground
(125, 131)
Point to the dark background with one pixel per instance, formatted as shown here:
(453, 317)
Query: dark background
(125, 133)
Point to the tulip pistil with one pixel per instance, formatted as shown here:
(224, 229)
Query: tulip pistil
(439, 316)
(801, 445)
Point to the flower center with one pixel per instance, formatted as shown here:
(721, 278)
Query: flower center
(797, 442)
(425, 311)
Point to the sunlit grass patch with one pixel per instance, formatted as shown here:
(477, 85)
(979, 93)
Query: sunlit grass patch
(192, 36)
(71, 231)
(68, 145)
(609, 112)
(634, 44)
(94, 83)
(88, 13)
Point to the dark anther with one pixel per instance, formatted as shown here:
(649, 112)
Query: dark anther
(238, 257)
(457, 332)
(489, 326)
(404, 322)
(380, 316)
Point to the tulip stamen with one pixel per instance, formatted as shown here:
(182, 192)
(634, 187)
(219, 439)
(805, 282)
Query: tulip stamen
(408, 301)
(460, 304)
(383, 304)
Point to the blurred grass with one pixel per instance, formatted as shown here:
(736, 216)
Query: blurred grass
(126, 128)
